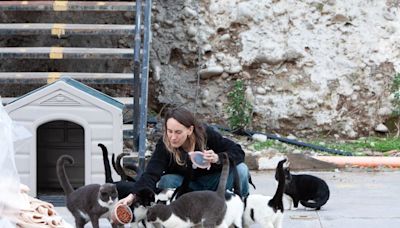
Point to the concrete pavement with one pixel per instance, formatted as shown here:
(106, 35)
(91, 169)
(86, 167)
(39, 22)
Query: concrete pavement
(359, 199)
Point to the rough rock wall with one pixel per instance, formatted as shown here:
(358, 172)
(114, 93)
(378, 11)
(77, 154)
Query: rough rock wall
(310, 67)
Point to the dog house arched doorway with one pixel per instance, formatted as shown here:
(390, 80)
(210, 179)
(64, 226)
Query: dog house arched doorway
(54, 139)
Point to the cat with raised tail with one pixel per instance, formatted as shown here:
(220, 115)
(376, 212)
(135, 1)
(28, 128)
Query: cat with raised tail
(205, 208)
(309, 190)
(117, 166)
(87, 203)
(266, 210)
(130, 166)
(142, 199)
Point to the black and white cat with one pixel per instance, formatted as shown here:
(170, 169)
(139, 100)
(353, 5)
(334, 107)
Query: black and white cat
(160, 196)
(234, 210)
(164, 196)
(87, 203)
(234, 201)
(266, 210)
(141, 202)
(142, 199)
(206, 208)
(309, 190)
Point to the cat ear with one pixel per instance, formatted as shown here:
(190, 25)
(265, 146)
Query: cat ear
(134, 199)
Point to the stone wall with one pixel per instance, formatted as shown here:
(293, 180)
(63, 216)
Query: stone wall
(310, 67)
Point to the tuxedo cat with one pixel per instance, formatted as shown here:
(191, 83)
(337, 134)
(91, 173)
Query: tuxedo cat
(234, 201)
(142, 199)
(206, 208)
(141, 202)
(89, 202)
(266, 210)
(164, 196)
(310, 191)
(234, 210)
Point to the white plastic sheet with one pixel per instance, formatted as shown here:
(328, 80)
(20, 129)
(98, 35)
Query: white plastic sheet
(16, 206)
(10, 197)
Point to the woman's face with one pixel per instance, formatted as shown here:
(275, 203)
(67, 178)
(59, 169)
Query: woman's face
(177, 133)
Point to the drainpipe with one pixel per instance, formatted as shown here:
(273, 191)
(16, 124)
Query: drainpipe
(144, 84)
(288, 141)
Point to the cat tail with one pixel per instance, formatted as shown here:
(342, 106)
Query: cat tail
(251, 181)
(119, 168)
(113, 162)
(107, 168)
(62, 174)
(276, 202)
(224, 175)
(237, 189)
(134, 166)
(319, 202)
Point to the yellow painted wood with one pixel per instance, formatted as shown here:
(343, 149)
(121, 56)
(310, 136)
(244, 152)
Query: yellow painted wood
(52, 77)
(56, 53)
(58, 30)
(60, 6)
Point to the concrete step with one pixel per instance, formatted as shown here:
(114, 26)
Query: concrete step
(56, 200)
(66, 6)
(64, 53)
(61, 30)
(113, 90)
(48, 77)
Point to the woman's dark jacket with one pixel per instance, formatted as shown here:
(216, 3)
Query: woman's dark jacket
(162, 161)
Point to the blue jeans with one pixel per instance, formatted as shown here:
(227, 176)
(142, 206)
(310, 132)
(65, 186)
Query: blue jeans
(208, 182)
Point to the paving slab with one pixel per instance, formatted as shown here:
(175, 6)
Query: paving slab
(358, 199)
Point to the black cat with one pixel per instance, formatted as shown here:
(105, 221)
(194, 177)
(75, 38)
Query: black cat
(310, 191)
(117, 166)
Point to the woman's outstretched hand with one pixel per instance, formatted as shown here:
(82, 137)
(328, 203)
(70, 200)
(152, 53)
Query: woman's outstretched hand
(127, 200)
(210, 156)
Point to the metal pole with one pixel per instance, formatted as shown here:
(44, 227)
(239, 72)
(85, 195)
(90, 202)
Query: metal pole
(144, 84)
(136, 77)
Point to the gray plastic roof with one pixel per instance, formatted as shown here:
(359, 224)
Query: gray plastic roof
(82, 87)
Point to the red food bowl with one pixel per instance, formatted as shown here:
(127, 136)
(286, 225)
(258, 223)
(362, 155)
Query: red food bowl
(122, 214)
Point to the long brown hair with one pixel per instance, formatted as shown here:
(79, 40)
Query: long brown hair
(187, 119)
